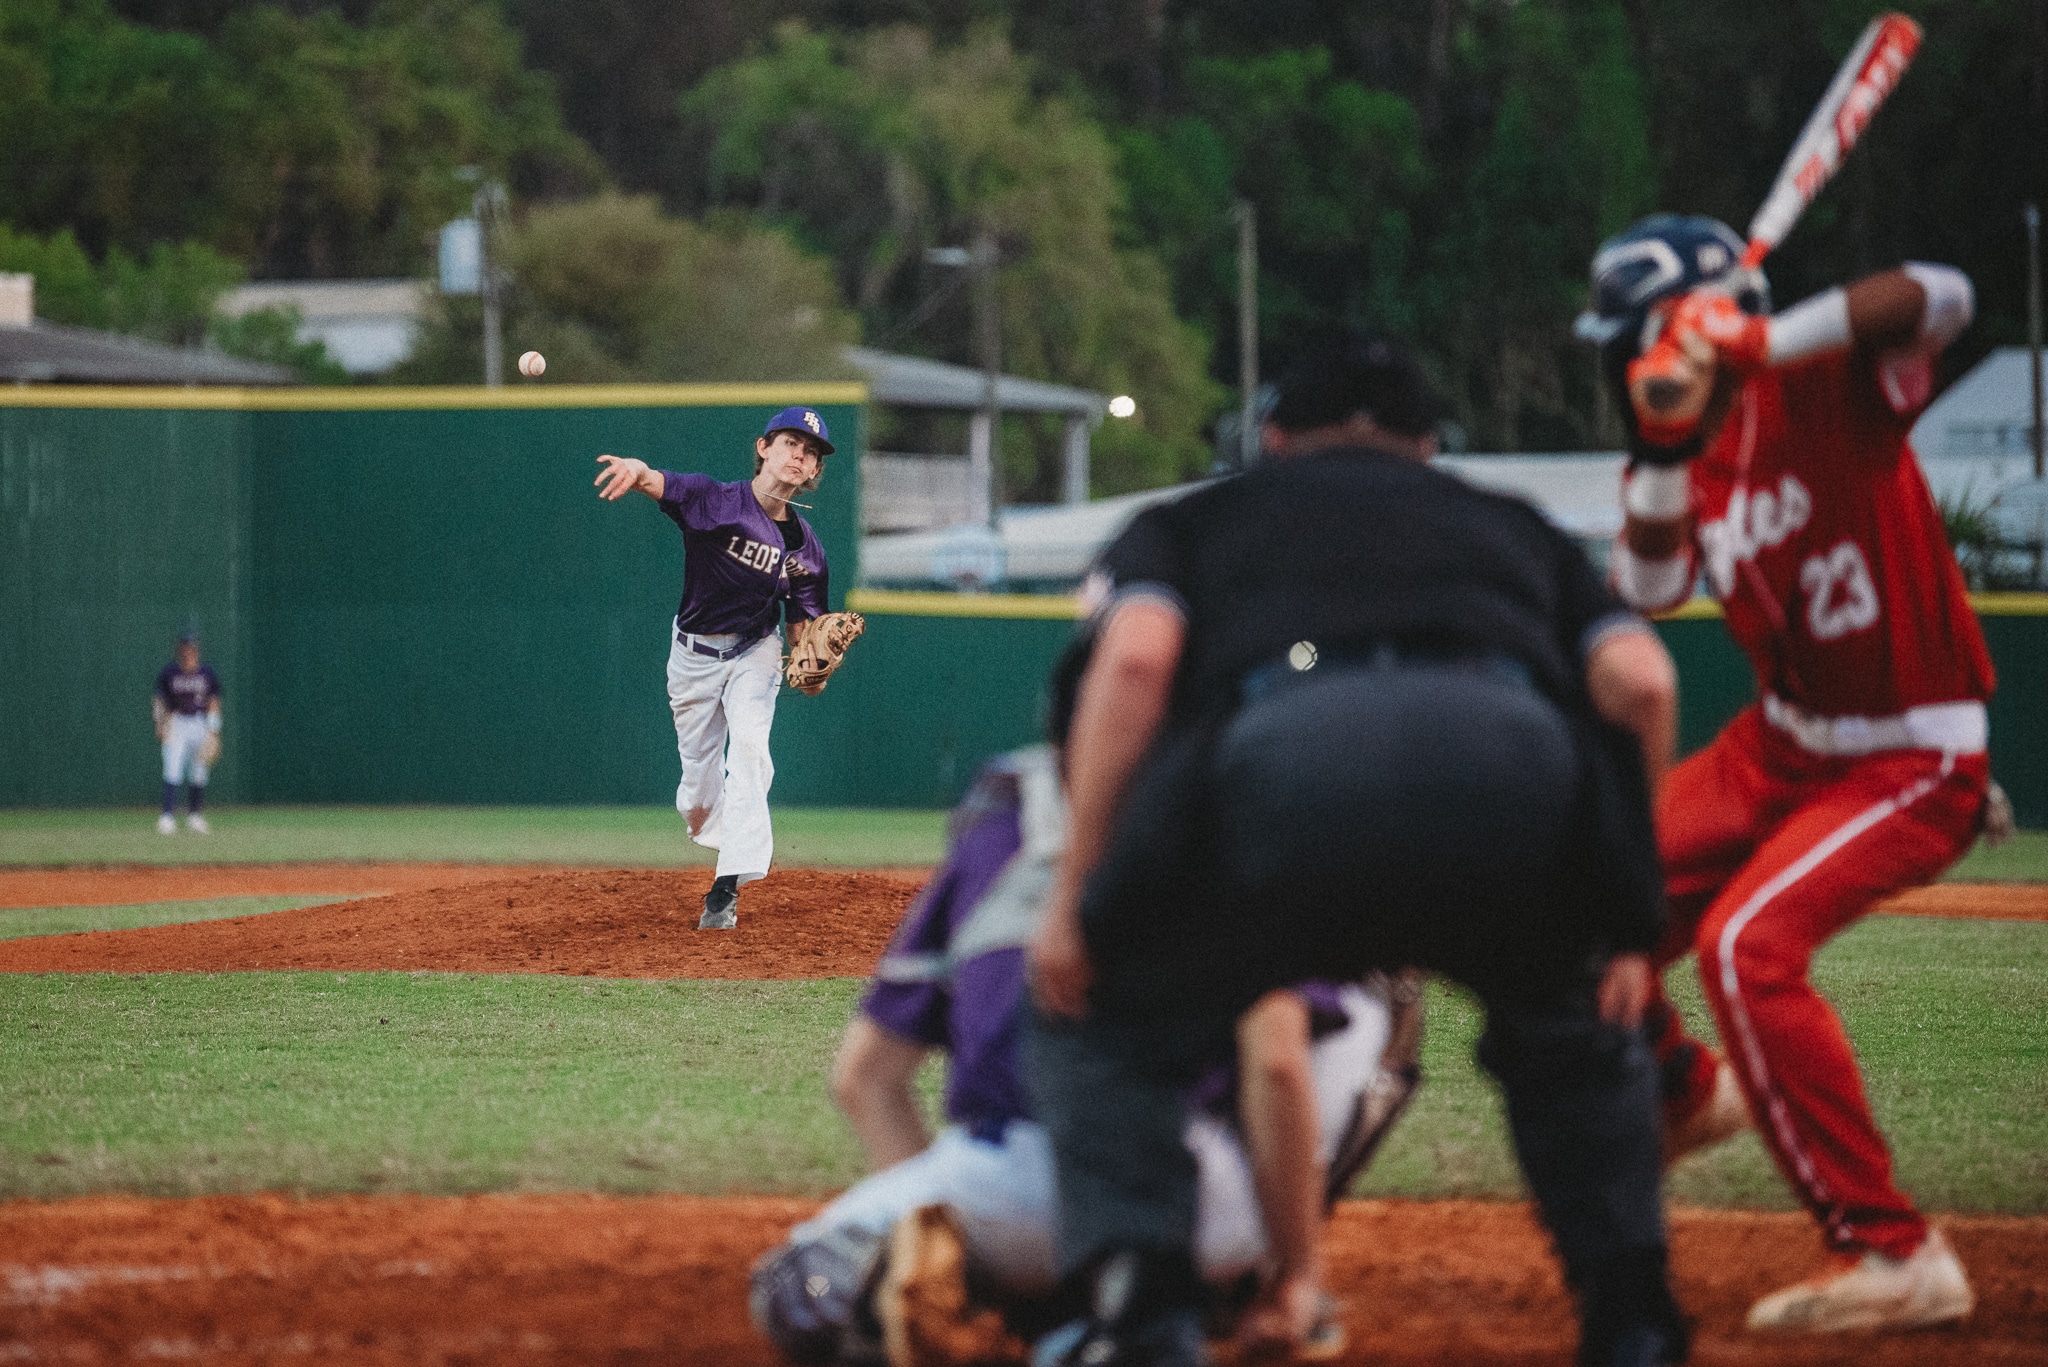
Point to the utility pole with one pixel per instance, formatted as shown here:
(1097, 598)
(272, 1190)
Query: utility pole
(490, 199)
(984, 449)
(1247, 333)
(2033, 215)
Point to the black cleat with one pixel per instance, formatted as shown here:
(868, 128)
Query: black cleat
(1122, 1331)
(1172, 1338)
(721, 905)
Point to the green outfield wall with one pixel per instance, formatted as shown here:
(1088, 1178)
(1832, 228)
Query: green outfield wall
(410, 594)
(414, 595)
(940, 711)
(118, 529)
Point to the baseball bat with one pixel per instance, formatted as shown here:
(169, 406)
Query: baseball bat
(1866, 77)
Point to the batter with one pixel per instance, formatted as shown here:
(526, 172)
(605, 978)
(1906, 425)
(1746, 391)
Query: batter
(749, 561)
(1775, 463)
(186, 708)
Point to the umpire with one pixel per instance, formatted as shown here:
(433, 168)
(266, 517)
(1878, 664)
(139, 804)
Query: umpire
(1345, 712)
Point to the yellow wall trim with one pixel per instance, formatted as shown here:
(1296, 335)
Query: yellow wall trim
(317, 399)
(1985, 605)
(1065, 607)
(2010, 604)
(894, 602)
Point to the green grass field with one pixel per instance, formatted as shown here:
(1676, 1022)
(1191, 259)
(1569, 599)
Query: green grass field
(19, 922)
(183, 1083)
(616, 837)
(608, 836)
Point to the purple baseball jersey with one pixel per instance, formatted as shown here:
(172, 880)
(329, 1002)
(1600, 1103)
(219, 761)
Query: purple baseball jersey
(1216, 1090)
(187, 694)
(739, 564)
(975, 1017)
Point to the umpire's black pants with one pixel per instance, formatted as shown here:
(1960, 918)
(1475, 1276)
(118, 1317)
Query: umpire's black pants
(1364, 817)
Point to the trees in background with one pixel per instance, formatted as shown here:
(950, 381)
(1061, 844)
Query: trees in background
(1441, 169)
(300, 145)
(611, 290)
(167, 295)
(875, 147)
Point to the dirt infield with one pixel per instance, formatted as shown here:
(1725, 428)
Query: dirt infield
(628, 923)
(636, 923)
(587, 1279)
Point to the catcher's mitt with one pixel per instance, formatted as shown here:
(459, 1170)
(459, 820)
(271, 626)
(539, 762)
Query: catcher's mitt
(820, 648)
(929, 1318)
(209, 749)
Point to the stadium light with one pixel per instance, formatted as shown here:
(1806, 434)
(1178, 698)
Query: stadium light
(1122, 406)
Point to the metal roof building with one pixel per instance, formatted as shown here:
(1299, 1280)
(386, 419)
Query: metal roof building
(48, 353)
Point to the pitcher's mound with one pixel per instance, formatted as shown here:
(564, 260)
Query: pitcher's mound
(642, 923)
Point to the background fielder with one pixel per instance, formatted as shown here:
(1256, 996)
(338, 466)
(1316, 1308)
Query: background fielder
(186, 708)
(747, 553)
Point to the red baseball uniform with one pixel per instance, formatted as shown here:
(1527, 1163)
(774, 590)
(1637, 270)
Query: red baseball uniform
(1861, 770)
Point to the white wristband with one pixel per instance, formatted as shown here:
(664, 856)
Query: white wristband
(1658, 493)
(1652, 585)
(1809, 328)
(1951, 303)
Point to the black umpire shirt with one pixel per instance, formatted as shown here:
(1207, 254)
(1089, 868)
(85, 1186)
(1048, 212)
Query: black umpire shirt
(1354, 550)
(1349, 549)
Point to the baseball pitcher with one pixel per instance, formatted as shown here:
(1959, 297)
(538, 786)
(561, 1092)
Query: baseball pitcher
(749, 560)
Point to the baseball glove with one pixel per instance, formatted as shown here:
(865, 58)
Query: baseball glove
(820, 648)
(928, 1316)
(209, 749)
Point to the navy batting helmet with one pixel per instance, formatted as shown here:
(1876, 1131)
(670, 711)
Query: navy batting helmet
(1657, 258)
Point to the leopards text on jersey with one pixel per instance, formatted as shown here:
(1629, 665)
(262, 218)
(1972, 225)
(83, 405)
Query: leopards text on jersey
(739, 567)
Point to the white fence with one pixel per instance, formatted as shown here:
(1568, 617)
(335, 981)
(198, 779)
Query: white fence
(910, 493)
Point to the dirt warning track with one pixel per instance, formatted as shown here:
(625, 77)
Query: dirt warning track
(587, 1279)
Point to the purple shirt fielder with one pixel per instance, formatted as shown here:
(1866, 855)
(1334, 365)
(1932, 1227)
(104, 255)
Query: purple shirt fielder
(974, 1017)
(749, 560)
(187, 692)
(740, 565)
(974, 1014)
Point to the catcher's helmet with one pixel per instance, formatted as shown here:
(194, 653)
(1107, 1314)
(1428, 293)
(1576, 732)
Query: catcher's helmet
(1659, 257)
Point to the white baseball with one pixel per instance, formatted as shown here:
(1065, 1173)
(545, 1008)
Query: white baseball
(533, 365)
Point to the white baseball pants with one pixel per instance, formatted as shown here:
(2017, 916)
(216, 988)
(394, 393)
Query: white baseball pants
(1006, 1196)
(183, 739)
(723, 711)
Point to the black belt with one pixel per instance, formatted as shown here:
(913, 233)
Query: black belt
(1298, 662)
(699, 648)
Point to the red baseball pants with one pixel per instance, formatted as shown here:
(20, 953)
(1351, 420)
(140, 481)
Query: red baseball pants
(1770, 850)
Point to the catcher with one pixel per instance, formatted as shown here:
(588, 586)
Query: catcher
(747, 554)
(1321, 1071)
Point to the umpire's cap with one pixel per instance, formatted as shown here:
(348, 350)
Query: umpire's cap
(1350, 371)
(808, 421)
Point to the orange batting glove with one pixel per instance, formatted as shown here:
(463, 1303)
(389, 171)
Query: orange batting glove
(1669, 385)
(1741, 341)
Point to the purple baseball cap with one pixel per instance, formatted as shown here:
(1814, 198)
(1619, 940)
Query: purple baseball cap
(808, 421)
